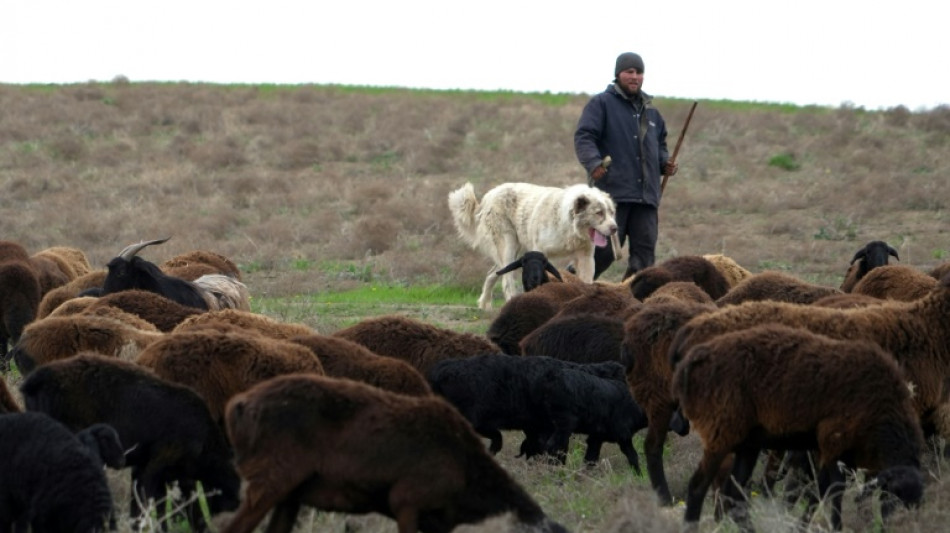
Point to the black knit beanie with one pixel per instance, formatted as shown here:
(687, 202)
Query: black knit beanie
(628, 60)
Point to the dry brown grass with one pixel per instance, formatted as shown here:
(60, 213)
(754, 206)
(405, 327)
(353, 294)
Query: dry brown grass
(314, 189)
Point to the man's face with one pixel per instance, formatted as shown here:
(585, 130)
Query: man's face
(630, 80)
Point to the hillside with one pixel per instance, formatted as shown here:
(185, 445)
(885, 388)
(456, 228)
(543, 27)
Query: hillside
(315, 188)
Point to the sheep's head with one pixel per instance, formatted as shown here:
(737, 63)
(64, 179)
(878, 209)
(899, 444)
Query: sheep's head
(124, 268)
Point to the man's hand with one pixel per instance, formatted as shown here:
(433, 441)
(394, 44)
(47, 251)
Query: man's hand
(598, 173)
(670, 168)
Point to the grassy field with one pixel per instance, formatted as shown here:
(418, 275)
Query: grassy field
(333, 202)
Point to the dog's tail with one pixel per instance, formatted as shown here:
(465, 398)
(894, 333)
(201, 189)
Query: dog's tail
(463, 204)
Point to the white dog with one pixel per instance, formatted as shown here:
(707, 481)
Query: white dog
(514, 218)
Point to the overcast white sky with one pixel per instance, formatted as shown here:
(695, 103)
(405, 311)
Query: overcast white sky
(827, 52)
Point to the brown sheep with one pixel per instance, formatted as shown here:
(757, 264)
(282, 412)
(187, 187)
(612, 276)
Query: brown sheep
(72, 262)
(603, 299)
(781, 387)
(346, 359)
(20, 295)
(775, 286)
(418, 343)
(869, 257)
(895, 282)
(60, 337)
(218, 365)
(940, 270)
(525, 312)
(729, 268)
(357, 449)
(847, 300)
(56, 297)
(916, 333)
(7, 403)
(644, 354)
(245, 320)
(196, 263)
(49, 271)
(693, 268)
(165, 313)
(680, 291)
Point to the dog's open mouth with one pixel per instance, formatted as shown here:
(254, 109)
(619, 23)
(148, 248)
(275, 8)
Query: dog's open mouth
(599, 239)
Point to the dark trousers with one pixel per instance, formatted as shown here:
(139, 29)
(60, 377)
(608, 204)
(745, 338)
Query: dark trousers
(640, 224)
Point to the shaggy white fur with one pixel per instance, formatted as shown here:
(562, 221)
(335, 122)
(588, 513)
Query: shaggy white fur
(513, 218)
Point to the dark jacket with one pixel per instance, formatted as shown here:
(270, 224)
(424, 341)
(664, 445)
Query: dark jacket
(610, 125)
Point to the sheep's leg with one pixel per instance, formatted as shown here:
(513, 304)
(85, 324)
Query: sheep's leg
(407, 519)
(533, 444)
(494, 436)
(653, 449)
(626, 446)
(733, 499)
(831, 484)
(254, 507)
(284, 516)
(700, 481)
(594, 443)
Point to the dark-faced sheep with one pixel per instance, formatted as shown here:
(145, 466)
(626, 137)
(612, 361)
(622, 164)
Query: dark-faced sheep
(341, 358)
(869, 257)
(895, 282)
(52, 481)
(535, 268)
(580, 338)
(414, 341)
(59, 337)
(644, 353)
(916, 333)
(20, 295)
(775, 286)
(220, 364)
(166, 428)
(339, 445)
(693, 268)
(525, 312)
(780, 387)
(245, 320)
(129, 271)
(546, 398)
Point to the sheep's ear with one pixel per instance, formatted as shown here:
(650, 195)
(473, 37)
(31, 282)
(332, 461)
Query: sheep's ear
(513, 266)
(892, 251)
(550, 268)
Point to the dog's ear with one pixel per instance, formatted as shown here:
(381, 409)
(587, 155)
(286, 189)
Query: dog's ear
(581, 204)
(513, 266)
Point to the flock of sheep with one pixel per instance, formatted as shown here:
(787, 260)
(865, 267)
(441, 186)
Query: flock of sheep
(163, 369)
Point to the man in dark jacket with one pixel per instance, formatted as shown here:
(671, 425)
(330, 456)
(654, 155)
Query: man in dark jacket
(622, 123)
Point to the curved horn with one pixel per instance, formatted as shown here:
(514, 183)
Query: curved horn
(129, 252)
(861, 254)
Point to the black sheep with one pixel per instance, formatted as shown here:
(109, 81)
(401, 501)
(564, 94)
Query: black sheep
(52, 481)
(581, 338)
(166, 427)
(546, 398)
(129, 271)
(534, 266)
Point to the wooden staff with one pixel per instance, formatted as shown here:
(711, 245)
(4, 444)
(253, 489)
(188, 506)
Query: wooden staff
(679, 142)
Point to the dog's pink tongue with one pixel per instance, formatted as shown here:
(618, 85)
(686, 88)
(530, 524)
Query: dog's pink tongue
(599, 240)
